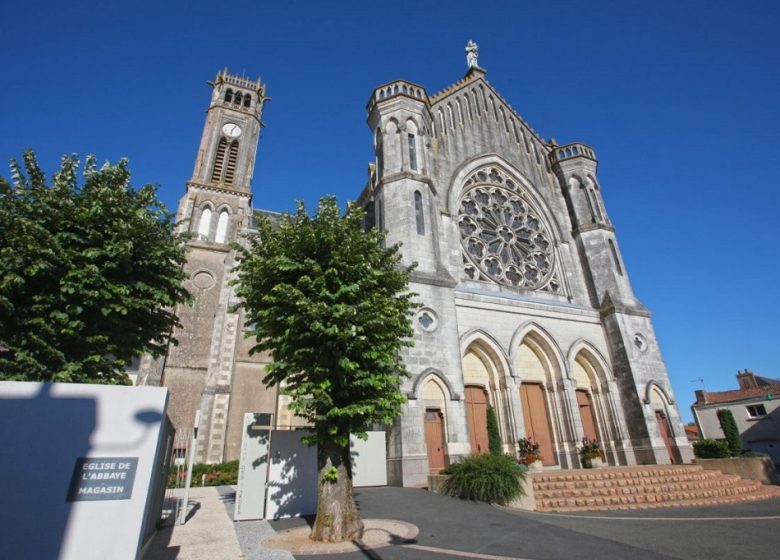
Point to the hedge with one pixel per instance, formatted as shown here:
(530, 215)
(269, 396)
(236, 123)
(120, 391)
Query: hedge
(215, 475)
(710, 449)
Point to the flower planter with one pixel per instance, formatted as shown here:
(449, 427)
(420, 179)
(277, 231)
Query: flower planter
(536, 466)
(592, 462)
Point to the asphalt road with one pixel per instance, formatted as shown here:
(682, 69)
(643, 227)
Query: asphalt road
(452, 528)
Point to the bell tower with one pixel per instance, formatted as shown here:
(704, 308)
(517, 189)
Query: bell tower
(219, 194)
(217, 206)
(228, 146)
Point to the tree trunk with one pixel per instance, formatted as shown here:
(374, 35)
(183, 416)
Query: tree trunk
(337, 516)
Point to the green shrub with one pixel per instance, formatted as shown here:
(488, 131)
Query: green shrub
(215, 475)
(710, 449)
(485, 478)
(494, 436)
(730, 430)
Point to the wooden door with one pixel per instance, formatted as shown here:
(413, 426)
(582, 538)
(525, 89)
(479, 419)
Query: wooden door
(434, 441)
(587, 416)
(537, 420)
(663, 426)
(476, 415)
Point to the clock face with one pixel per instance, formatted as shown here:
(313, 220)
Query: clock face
(232, 130)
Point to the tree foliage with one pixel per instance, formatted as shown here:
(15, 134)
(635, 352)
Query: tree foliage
(494, 436)
(730, 430)
(331, 303)
(89, 274)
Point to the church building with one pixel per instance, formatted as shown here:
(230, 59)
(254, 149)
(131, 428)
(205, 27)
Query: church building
(526, 305)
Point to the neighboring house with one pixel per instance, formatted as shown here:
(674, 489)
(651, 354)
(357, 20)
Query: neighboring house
(692, 432)
(756, 408)
(526, 302)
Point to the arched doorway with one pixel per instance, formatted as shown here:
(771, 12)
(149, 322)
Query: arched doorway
(476, 416)
(485, 385)
(658, 402)
(435, 404)
(587, 415)
(537, 420)
(536, 374)
(434, 441)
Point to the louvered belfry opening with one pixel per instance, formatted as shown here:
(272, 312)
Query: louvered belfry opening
(219, 160)
(225, 171)
(230, 170)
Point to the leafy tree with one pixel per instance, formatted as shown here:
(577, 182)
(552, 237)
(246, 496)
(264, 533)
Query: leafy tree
(494, 436)
(89, 273)
(332, 304)
(730, 430)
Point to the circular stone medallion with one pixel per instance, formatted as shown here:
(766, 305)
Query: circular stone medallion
(203, 280)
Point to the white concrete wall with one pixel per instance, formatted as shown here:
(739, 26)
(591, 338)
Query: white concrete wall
(45, 429)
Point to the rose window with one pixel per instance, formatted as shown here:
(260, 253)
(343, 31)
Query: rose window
(503, 237)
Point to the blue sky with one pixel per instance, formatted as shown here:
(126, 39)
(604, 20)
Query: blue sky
(679, 100)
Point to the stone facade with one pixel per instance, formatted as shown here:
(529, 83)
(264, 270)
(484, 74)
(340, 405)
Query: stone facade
(526, 304)
(521, 282)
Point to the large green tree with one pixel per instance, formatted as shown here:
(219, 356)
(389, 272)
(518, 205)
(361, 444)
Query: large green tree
(331, 302)
(89, 273)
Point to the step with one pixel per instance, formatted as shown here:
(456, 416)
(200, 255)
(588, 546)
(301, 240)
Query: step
(765, 493)
(711, 476)
(642, 487)
(602, 482)
(647, 489)
(618, 473)
(649, 497)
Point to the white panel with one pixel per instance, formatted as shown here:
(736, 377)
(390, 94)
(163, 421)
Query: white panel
(253, 467)
(369, 461)
(45, 428)
(292, 480)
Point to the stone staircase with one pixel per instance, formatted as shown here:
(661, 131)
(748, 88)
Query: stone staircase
(656, 486)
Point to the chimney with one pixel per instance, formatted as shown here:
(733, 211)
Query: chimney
(746, 379)
(700, 397)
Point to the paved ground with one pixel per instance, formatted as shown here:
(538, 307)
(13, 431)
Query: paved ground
(208, 533)
(451, 529)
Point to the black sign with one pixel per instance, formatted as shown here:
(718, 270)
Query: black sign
(102, 478)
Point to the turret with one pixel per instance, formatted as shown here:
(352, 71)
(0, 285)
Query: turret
(402, 194)
(575, 166)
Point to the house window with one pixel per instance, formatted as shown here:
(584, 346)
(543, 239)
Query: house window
(596, 206)
(756, 411)
(615, 258)
(204, 228)
(418, 213)
(369, 220)
(412, 152)
(222, 225)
